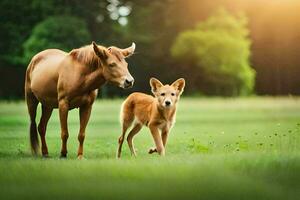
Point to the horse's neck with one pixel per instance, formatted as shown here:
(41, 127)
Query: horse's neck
(94, 79)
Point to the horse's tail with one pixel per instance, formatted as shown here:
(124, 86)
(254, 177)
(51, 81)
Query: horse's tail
(32, 104)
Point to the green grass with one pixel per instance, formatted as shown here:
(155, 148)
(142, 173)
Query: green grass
(218, 149)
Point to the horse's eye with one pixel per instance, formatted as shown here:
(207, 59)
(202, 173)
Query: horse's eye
(162, 94)
(112, 64)
(173, 94)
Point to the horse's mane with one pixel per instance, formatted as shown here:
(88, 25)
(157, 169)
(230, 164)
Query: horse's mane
(87, 56)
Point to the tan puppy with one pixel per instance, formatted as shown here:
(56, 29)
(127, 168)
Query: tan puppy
(158, 113)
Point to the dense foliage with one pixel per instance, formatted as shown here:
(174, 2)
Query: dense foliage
(61, 32)
(154, 26)
(220, 48)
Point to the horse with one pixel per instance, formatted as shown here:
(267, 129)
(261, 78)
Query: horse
(62, 80)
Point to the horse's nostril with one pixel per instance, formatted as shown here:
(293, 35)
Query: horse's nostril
(129, 82)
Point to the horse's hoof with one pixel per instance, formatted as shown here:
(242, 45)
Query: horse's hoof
(63, 156)
(80, 157)
(46, 156)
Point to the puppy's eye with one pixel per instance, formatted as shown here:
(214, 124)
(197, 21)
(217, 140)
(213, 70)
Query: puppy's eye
(162, 94)
(173, 94)
(112, 64)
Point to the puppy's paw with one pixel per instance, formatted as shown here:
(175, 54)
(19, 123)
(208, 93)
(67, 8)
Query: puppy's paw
(152, 150)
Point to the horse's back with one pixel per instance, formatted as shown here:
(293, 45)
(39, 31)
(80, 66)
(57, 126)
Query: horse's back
(48, 57)
(43, 72)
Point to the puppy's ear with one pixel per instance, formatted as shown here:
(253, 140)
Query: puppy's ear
(155, 84)
(100, 52)
(179, 85)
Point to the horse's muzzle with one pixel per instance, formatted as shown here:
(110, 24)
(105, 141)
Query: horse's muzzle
(128, 83)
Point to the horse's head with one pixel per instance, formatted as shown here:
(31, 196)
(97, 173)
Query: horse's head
(115, 68)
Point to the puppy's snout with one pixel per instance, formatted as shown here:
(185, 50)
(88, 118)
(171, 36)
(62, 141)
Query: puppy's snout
(168, 103)
(128, 82)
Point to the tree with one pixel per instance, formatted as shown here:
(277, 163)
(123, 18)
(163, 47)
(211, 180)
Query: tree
(61, 32)
(220, 49)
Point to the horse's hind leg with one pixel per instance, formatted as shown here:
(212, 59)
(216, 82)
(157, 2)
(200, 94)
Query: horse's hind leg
(63, 107)
(32, 104)
(84, 114)
(46, 113)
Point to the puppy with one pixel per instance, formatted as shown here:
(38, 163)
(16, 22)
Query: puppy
(158, 113)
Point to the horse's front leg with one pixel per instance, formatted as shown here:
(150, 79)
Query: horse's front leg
(63, 107)
(84, 114)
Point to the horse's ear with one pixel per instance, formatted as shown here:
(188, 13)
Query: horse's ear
(100, 52)
(129, 51)
(74, 53)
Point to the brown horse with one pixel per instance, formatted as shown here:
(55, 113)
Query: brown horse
(65, 81)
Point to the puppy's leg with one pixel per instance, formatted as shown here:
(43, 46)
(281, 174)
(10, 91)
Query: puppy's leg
(130, 136)
(126, 120)
(157, 139)
(164, 137)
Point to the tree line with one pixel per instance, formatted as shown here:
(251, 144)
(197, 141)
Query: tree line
(220, 47)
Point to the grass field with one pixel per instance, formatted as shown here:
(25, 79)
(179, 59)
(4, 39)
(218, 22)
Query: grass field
(218, 149)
